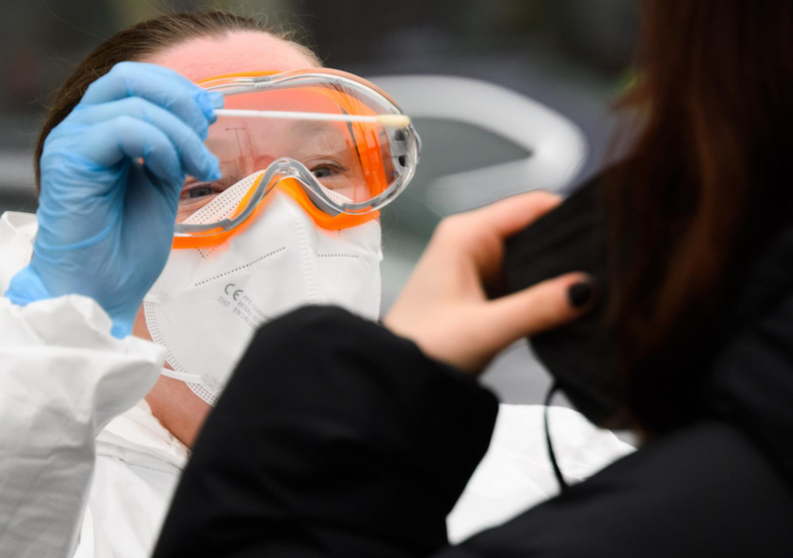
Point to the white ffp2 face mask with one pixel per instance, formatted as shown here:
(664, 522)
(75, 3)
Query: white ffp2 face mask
(207, 303)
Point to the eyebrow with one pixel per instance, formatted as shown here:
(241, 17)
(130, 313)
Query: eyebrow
(313, 126)
(327, 129)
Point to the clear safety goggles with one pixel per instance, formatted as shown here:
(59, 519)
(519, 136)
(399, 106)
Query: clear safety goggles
(337, 144)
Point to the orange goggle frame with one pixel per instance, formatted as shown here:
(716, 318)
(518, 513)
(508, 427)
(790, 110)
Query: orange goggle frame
(372, 162)
(293, 189)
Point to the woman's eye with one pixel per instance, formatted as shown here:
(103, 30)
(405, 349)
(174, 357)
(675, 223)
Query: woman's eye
(322, 172)
(198, 192)
(327, 170)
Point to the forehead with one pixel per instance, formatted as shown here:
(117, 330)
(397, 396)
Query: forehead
(240, 51)
(276, 137)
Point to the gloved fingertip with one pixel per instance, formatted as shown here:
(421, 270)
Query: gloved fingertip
(26, 287)
(214, 172)
(120, 329)
(204, 132)
(217, 99)
(204, 102)
(210, 167)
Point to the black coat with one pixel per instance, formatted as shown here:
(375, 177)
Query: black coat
(336, 438)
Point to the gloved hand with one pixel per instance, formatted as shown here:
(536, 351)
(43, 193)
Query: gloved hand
(111, 176)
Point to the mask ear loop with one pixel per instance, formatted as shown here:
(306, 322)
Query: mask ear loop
(563, 486)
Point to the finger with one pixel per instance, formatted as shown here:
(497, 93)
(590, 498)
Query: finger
(542, 307)
(161, 86)
(125, 137)
(479, 235)
(194, 156)
(507, 217)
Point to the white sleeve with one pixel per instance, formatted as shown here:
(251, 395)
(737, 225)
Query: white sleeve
(63, 377)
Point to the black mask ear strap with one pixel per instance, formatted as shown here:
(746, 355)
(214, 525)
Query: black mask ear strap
(563, 486)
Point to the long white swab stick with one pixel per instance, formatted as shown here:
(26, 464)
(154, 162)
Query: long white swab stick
(391, 120)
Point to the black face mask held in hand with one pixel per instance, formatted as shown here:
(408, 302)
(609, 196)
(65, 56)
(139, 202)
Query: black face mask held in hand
(578, 355)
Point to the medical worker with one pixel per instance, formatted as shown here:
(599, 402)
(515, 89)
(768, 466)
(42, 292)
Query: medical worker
(164, 217)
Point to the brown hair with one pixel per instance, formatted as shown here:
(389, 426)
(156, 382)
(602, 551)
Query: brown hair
(703, 190)
(138, 42)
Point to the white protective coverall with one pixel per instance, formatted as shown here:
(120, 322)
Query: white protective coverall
(87, 471)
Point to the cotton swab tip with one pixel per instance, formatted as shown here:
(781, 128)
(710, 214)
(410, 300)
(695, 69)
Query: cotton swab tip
(394, 120)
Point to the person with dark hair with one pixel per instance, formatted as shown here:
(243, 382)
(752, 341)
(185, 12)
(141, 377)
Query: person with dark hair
(674, 311)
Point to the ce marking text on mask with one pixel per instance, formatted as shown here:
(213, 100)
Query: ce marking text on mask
(243, 306)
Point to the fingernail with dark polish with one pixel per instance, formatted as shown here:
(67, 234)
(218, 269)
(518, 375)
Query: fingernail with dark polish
(580, 294)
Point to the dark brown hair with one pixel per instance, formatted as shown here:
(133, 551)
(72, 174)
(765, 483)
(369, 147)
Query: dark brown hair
(138, 42)
(704, 189)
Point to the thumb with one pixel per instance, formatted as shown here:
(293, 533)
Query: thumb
(541, 307)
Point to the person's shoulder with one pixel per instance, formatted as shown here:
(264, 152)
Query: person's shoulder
(324, 322)
(712, 458)
(332, 334)
(702, 491)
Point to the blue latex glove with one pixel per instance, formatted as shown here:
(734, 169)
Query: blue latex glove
(111, 175)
